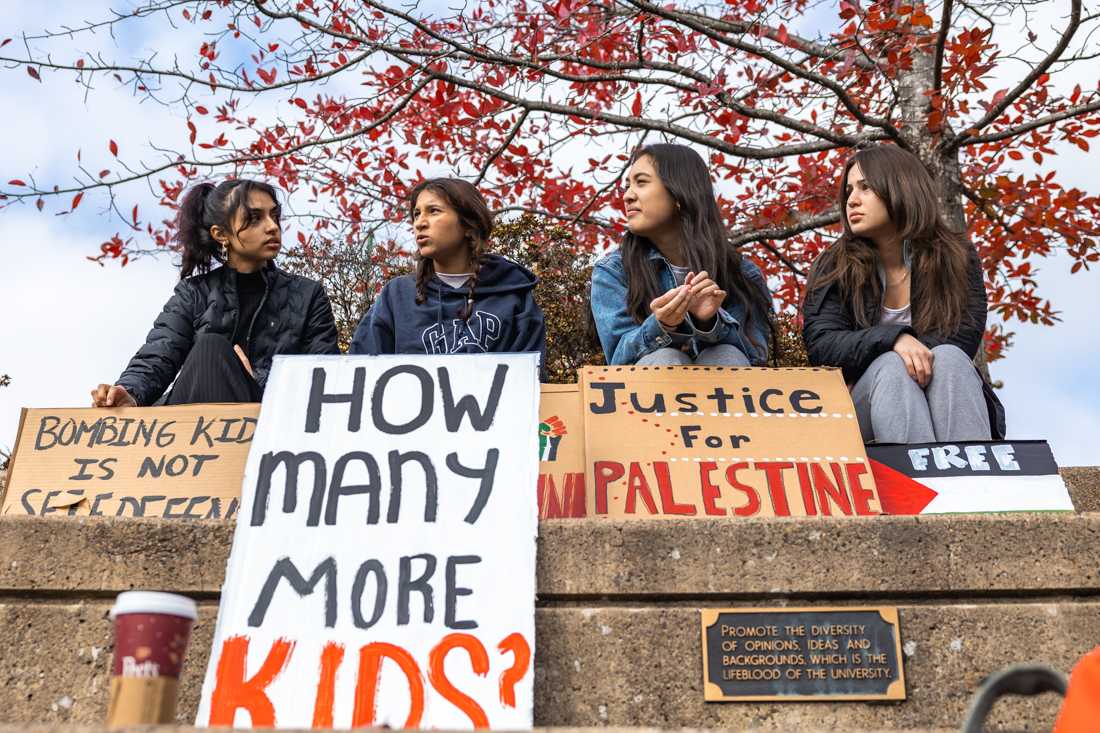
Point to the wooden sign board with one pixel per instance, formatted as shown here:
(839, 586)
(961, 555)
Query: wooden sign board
(180, 462)
(802, 654)
(561, 487)
(684, 441)
(383, 566)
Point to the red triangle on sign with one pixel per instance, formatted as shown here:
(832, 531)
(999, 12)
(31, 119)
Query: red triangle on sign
(899, 494)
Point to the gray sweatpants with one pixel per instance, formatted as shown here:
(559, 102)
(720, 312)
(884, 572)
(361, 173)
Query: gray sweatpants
(717, 355)
(892, 407)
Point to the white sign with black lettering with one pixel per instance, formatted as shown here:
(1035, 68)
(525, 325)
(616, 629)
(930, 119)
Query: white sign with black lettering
(383, 566)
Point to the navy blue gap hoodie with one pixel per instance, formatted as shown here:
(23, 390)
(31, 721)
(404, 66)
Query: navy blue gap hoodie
(505, 316)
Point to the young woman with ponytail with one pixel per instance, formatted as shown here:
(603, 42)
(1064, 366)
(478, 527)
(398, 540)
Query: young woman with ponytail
(898, 302)
(676, 291)
(233, 309)
(461, 299)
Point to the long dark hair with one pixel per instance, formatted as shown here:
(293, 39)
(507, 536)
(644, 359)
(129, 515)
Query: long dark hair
(939, 253)
(477, 222)
(705, 244)
(206, 205)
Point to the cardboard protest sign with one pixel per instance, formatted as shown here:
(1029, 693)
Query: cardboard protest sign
(180, 462)
(383, 566)
(561, 488)
(943, 478)
(683, 441)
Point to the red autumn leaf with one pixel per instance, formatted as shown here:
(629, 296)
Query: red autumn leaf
(267, 76)
(40, 203)
(134, 214)
(34, 73)
(781, 35)
(104, 173)
(1015, 155)
(16, 182)
(80, 63)
(113, 147)
(5, 42)
(192, 131)
(636, 108)
(200, 109)
(76, 201)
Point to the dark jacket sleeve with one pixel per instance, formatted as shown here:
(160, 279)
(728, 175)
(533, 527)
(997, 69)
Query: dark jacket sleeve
(529, 331)
(156, 363)
(832, 337)
(320, 336)
(374, 335)
(968, 336)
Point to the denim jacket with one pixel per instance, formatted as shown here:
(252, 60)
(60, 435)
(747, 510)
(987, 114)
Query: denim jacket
(625, 341)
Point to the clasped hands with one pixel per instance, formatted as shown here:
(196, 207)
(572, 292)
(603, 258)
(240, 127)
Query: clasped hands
(699, 295)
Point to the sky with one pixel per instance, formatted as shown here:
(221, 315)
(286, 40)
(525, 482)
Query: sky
(67, 324)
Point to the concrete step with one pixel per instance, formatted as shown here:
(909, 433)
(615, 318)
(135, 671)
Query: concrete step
(618, 616)
(62, 728)
(1083, 483)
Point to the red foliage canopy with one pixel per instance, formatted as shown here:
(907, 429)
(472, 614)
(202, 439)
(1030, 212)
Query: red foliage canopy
(541, 103)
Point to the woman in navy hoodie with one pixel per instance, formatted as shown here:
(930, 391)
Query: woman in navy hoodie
(461, 300)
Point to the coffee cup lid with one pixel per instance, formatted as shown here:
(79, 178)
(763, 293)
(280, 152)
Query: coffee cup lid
(143, 601)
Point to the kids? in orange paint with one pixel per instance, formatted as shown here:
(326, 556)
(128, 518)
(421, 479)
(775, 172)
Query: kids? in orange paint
(235, 691)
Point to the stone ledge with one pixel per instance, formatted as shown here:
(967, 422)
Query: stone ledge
(615, 666)
(62, 728)
(1083, 483)
(696, 559)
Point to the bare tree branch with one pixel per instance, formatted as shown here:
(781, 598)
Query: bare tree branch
(764, 235)
(792, 68)
(502, 147)
(998, 108)
(941, 41)
(1075, 111)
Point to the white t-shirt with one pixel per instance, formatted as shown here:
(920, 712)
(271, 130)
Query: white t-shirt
(455, 281)
(900, 316)
(679, 274)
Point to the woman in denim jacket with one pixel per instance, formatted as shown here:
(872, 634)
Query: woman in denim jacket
(676, 291)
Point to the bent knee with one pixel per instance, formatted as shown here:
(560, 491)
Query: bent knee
(949, 356)
(888, 365)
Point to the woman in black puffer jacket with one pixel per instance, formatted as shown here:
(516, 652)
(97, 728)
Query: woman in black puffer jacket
(220, 329)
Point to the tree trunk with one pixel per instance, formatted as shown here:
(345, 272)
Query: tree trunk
(914, 104)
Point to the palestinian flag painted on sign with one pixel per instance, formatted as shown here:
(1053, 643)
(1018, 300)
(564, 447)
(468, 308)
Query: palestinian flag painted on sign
(947, 478)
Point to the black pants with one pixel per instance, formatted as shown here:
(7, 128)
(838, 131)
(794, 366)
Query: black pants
(212, 372)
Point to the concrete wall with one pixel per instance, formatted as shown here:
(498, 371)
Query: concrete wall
(618, 617)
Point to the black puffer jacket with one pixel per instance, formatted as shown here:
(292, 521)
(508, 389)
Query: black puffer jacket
(833, 338)
(294, 317)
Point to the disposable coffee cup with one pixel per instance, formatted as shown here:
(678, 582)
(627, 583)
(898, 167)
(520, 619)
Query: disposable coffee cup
(151, 634)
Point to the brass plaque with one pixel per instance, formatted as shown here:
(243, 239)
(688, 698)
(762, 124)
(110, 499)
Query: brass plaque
(802, 654)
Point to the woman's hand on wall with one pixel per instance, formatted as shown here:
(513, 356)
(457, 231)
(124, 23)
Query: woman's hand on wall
(917, 358)
(107, 395)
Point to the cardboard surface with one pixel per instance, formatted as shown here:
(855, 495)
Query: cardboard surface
(180, 462)
(561, 487)
(667, 442)
(383, 565)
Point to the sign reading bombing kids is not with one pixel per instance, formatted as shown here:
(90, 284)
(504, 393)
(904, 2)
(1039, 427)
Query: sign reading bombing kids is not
(722, 441)
(181, 462)
(383, 566)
